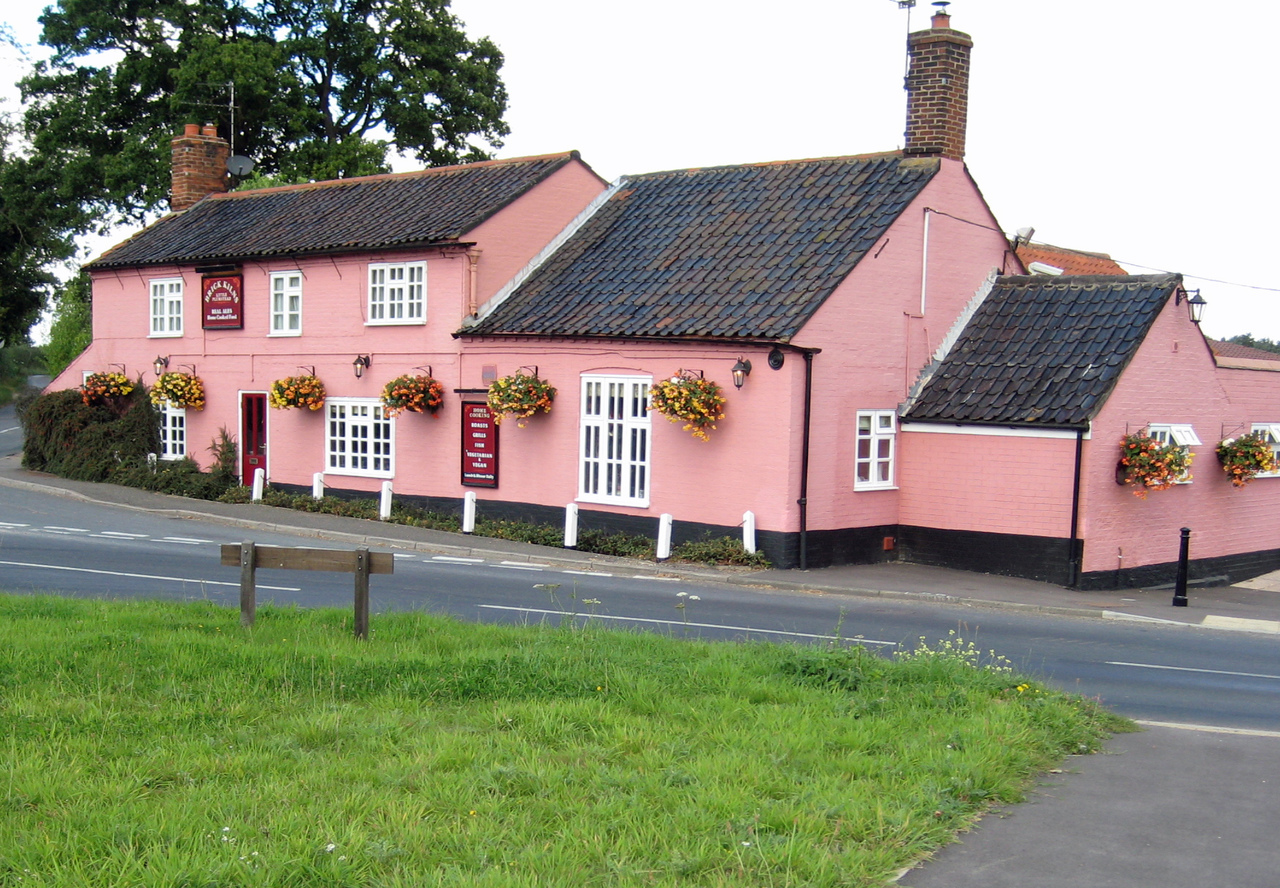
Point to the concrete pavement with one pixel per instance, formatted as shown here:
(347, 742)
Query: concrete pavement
(1171, 807)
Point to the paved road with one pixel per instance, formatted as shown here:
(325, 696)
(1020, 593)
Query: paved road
(10, 432)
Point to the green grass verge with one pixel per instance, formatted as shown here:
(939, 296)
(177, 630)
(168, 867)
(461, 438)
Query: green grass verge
(152, 744)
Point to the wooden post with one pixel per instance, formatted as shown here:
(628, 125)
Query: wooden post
(248, 590)
(362, 592)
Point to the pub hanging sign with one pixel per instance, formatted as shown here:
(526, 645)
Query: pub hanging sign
(223, 302)
(479, 446)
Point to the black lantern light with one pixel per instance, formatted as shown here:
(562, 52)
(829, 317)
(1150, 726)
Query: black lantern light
(360, 364)
(741, 371)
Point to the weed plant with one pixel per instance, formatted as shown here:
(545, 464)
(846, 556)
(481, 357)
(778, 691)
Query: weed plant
(152, 744)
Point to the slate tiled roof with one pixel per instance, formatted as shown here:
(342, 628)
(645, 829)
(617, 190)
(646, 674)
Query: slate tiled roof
(1043, 350)
(396, 210)
(1070, 261)
(742, 251)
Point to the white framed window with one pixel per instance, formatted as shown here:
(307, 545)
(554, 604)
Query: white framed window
(877, 435)
(166, 307)
(398, 293)
(173, 431)
(359, 439)
(614, 455)
(1183, 436)
(286, 303)
(1270, 432)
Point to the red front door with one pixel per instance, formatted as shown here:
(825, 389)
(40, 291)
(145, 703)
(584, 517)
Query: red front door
(253, 435)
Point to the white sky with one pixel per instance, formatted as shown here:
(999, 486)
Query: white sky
(1146, 131)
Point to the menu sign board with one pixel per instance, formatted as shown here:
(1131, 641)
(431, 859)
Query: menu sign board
(222, 303)
(479, 446)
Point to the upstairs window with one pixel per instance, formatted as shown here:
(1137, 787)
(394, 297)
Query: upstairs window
(166, 307)
(1183, 436)
(1270, 432)
(876, 436)
(615, 440)
(286, 303)
(398, 293)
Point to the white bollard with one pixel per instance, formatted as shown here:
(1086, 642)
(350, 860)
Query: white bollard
(317, 485)
(151, 462)
(571, 526)
(749, 532)
(384, 501)
(664, 537)
(469, 512)
(259, 482)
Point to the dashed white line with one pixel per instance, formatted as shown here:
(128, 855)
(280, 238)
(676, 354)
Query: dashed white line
(7, 524)
(134, 576)
(1191, 669)
(450, 559)
(505, 566)
(658, 579)
(192, 540)
(690, 624)
(56, 529)
(1208, 729)
(587, 573)
(123, 536)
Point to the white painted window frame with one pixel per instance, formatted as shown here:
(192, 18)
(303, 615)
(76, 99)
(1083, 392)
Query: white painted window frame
(1270, 432)
(286, 303)
(173, 431)
(359, 439)
(1179, 434)
(615, 445)
(397, 293)
(165, 296)
(882, 430)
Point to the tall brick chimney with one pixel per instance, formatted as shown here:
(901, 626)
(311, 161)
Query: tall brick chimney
(199, 165)
(937, 90)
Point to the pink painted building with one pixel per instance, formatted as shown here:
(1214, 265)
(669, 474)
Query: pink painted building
(906, 391)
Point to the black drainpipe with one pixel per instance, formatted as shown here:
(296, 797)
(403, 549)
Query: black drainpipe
(804, 463)
(1073, 568)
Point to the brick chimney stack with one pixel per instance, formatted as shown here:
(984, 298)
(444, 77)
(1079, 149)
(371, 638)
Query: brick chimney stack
(199, 165)
(937, 90)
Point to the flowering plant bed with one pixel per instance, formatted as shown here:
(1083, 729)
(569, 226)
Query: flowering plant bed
(100, 387)
(178, 390)
(416, 394)
(297, 391)
(695, 401)
(520, 395)
(1245, 457)
(1147, 464)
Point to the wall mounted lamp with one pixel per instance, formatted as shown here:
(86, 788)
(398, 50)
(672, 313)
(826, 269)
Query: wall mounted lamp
(160, 364)
(741, 371)
(1195, 304)
(360, 364)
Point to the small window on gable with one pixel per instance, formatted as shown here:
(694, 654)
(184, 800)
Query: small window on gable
(1180, 435)
(1270, 432)
(877, 433)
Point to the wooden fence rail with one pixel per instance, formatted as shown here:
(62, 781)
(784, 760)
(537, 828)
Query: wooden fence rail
(361, 562)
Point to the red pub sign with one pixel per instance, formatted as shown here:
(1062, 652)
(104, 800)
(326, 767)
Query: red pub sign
(222, 302)
(479, 446)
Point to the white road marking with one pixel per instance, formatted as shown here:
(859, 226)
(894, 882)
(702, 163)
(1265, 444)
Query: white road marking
(505, 566)
(535, 564)
(7, 524)
(450, 559)
(1209, 729)
(194, 540)
(55, 528)
(6, 431)
(124, 536)
(587, 573)
(658, 579)
(678, 623)
(133, 576)
(1190, 669)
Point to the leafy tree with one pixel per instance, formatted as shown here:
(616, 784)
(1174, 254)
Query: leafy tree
(72, 328)
(323, 89)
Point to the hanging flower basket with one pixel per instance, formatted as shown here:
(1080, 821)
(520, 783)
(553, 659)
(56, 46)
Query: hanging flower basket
(297, 391)
(1147, 464)
(520, 395)
(178, 390)
(1245, 457)
(695, 401)
(416, 394)
(100, 388)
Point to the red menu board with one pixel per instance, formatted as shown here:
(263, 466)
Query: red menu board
(222, 304)
(479, 446)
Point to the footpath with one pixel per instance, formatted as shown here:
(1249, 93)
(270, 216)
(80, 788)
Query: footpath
(1172, 806)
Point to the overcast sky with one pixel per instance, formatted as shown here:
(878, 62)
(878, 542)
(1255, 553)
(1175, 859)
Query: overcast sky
(1146, 131)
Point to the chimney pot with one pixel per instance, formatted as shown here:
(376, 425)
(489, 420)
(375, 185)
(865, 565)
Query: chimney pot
(209, 129)
(193, 129)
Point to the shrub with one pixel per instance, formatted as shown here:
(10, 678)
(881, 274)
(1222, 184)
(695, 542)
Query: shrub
(88, 442)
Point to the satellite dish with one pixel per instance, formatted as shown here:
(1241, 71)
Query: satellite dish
(239, 165)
